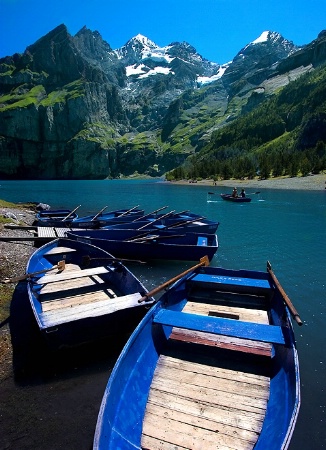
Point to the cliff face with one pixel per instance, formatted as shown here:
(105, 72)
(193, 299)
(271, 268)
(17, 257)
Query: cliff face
(71, 107)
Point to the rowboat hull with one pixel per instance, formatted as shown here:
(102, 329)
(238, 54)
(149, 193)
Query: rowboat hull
(186, 247)
(200, 226)
(55, 218)
(191, 376)
(105, 219)
(229, 198)
(93, 297)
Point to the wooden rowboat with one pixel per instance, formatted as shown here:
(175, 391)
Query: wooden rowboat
(212, 365)
(55, 217)
(80, 293)
(165, 245)
(229, 198)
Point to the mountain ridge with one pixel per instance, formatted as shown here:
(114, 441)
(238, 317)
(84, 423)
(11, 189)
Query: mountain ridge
(73, 107)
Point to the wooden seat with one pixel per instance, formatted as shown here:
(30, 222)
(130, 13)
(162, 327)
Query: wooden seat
(59, 250)
(239, 284)
(225, 327)
(69, 275)
(85, 306)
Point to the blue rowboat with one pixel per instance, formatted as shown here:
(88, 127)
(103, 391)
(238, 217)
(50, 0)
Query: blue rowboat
(212, 365)
(229, 198)
(153, 246)
(55, 217)
(80, 293)
(193, 226)
(110, 218)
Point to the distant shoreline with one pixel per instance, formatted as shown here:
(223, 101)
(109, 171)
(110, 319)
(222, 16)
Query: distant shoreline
(308, 183)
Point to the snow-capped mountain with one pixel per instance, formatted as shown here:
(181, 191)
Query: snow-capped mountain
(81, 97)
(143, 58)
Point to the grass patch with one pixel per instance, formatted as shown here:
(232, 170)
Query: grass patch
(6, 293)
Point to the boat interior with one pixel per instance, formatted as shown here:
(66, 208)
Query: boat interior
(211, 390)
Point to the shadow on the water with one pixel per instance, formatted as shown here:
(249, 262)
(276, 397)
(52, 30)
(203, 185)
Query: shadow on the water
(35, 362)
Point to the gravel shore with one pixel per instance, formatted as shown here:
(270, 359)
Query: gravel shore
(49, 400)
(311, 183)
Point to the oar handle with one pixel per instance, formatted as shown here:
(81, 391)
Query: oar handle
(187, 222)
(204, 261)
(100, 212)
(127, 212)
(156, 220)
(149, 214)
(286, 299)
(71, 212)
(60, 266)
(87, 259)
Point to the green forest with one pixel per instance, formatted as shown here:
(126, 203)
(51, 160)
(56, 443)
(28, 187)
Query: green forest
(284, 136)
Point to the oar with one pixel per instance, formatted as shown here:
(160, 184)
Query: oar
(149, 237)
(149, 214)
(87, 259)
(60, 266)
(286, 299)
(182, 223)
(181, 212)
(71, 212)
(127, 212)
(156, 220)
(100, 212)
(204, 261)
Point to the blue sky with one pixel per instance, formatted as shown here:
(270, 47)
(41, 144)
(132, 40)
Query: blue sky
(218, 29)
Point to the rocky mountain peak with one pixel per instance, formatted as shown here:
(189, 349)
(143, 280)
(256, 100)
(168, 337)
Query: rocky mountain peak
(136, 49)
(268, 42)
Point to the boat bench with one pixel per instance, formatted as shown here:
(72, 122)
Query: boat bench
(228, 282)
(59, 251)
(69, 275)
(226, 327)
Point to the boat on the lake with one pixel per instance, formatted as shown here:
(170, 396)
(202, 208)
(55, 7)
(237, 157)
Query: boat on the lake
(80, 293)
(55, 217)
(240, 199)
(200, 225)
(212, 365)
(158, 245)
(102, 219)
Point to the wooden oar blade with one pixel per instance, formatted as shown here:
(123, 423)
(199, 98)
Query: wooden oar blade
(60, 267)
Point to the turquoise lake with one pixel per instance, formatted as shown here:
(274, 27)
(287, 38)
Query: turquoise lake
(285, 227)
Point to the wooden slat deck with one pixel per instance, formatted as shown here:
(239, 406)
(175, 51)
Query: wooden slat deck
(51, 233)
(227, 342)
(195, 406)
(69, 275)
(77, 294)
(91, 305)
(244, 314)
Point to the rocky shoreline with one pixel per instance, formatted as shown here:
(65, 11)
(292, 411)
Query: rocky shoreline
(49, 400)
(311, 183)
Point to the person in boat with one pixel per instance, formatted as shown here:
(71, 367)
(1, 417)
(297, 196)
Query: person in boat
(234, 193)
(242, 193)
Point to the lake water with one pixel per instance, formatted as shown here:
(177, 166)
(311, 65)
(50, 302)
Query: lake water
(285, 227)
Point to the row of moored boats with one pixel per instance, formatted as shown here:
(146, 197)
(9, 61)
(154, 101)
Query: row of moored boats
(210, 363)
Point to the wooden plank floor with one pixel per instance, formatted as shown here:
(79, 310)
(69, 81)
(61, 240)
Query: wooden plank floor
(203, 407)
(199, 406)
(74, 298)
